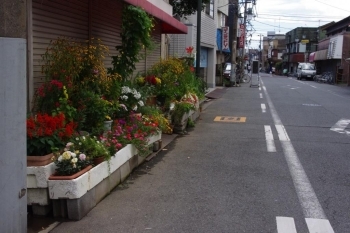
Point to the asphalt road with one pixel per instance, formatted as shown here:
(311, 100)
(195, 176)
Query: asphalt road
(282, 170)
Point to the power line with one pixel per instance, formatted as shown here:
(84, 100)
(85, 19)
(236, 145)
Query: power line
(295, 19)
(273, 25)
(332, 6)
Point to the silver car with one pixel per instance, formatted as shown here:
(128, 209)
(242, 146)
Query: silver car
(306, 70)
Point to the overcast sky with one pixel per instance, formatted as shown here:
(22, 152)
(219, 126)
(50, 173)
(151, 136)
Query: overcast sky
(282, 16)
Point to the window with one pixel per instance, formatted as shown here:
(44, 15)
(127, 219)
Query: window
(223, 20)
(209, 8)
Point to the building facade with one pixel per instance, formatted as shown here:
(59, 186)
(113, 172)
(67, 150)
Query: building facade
(333, 51)
(300, 43)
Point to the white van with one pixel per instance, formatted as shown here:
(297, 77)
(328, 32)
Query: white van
(306, 70)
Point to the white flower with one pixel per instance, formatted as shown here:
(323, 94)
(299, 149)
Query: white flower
(83, 137)
(80, 143)
(124, 107)
(82, 156)
(74, 160)
(73, 154)
(124, 97)
(137, 95)
(126, 90)
(69, 144)
(77, 139)
(59, 158)
(141, 103)
(134, 108)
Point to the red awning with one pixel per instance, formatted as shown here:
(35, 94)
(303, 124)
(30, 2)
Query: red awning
(312, 57)
(169, 24)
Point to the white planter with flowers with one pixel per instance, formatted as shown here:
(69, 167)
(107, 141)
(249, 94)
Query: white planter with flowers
(87, 190)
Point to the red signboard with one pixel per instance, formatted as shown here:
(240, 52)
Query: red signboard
(242, 36)
(225, 43)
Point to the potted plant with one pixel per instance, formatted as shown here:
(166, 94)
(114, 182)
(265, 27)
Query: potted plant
(94, 149)
(46, 134)
(70, 165)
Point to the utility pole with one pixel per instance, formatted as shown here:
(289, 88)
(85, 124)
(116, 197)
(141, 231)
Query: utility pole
(198, 44)
(245, 29)
(234, 43)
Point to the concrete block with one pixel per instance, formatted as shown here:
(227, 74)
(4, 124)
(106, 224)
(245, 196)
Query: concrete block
(59, 208)
(102, 190)
(133, 162)
(39, 196)
(41, 210)
(114, 179)
(125, 171)
(78, 208)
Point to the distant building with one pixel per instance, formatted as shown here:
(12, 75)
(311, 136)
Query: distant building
(300, 43)
(272, 50)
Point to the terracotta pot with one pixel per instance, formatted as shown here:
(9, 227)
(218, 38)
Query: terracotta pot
(98, 160)
(71, 177)
(35, 161)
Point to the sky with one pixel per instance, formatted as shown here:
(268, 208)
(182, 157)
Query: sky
(283, 16)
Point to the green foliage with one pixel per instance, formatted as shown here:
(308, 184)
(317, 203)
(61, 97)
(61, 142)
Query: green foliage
(186, 7)
(180, 109)
(136, 36)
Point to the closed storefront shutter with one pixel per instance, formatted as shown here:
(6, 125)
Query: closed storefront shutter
(53, 19)
(106, 25)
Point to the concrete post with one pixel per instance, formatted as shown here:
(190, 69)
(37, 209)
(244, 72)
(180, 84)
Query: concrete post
(13, 171)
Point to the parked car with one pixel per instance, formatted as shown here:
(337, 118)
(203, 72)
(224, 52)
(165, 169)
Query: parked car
(306, 70)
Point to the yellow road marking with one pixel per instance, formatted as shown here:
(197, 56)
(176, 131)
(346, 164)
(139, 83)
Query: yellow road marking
(230, 119)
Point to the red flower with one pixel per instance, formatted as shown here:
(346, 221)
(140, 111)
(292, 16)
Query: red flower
(189, 49)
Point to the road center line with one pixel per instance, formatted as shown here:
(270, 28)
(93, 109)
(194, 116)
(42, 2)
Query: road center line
(306, 194)
(261, 96)
(263, 108)
(270, 143)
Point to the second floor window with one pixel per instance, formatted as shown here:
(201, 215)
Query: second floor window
(209, 8)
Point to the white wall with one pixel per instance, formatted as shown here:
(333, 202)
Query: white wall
(13, 172)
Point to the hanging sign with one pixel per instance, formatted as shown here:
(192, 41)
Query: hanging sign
(225, 41)
(242, 36)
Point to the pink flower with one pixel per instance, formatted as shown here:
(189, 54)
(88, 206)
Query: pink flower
(82, 156)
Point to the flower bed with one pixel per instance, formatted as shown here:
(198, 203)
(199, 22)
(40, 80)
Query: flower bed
(83, 193)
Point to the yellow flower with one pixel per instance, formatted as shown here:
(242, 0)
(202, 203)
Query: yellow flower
(66, 155)
(108, 118)
(65, 92)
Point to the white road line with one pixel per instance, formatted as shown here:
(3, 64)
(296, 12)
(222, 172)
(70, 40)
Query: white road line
(340, 126)
(285, 225)
(282, 133)
(270, 143)
(259, 88)
(263, 108)
(261, 96)
(313, 86)
(306, 194)
(319, 225)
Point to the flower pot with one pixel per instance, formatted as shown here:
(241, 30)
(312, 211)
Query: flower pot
(35, 161)
(107, 125)
(98, 160)
(71, 177)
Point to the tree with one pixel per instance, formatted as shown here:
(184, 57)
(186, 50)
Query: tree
(183, 8)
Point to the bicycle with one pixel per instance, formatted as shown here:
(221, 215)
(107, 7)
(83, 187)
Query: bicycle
(242, 76)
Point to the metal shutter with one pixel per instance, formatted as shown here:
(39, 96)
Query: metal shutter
(53, 19)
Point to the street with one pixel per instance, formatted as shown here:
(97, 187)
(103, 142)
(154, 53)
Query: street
(266, 159)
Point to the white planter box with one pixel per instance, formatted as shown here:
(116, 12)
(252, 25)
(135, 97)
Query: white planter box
(37, 192)
(73, 189)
